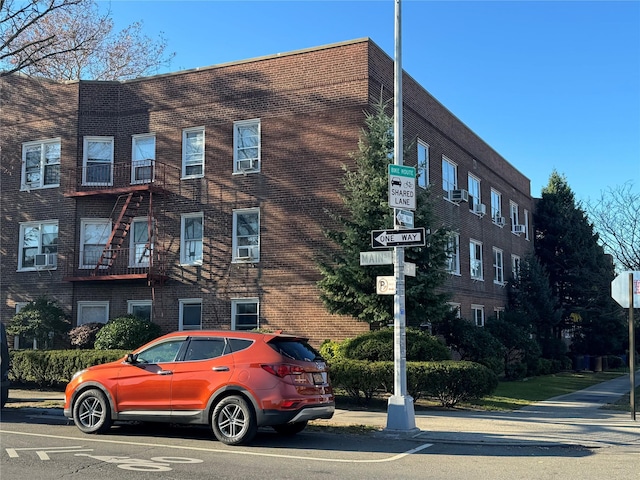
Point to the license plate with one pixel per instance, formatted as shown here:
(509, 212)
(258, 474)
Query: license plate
(318, 378)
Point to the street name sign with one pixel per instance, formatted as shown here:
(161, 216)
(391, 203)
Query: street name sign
(402, 187)
(386, 285)
(376, 258)
(398, 238)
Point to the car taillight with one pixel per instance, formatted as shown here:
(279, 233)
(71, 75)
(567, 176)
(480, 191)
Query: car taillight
(282, 369)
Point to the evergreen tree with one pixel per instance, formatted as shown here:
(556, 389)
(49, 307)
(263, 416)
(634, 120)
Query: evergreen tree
(347, 288)
(580, 273)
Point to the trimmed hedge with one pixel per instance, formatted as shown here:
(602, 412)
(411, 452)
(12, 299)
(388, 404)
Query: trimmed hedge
(54, 368)
(449, 382)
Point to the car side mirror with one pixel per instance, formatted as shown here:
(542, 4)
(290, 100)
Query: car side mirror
(132, 358)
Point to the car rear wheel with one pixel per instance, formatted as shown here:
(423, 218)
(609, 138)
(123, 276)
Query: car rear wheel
(289, 429)
(91, 412)
(233, 421)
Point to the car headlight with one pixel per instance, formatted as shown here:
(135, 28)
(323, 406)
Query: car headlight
(78, 373)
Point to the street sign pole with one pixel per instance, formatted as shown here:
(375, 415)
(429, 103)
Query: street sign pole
(632, 350)
(400, 412)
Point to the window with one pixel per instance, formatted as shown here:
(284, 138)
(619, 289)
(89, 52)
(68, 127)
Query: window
(205, 349)
(515, 266)
(193, 152)
(449, 175)
(94, 234)
(140, 308)
(23, 341)
(90, 312)
(498, 312)
(526, 224)
(165, 352)
(40, 164)
(455, 307)
(98, 161)
(190, 314)
(246, 235)
(140, 247)
(475, 251)
(498, 266)
(474, 192)
(453, 254)
(423, 164)
(36, 239)
(191, 239)
(143, 155)
(244, 314)
(246, 146)
(496, 208)
(513, 215)
(477, 312)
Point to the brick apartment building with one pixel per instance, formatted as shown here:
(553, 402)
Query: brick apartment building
(198, 199)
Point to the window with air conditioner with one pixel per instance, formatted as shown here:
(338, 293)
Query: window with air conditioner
(246, 235)
(475, 200)
(246, 146)
(38, 245)
(143, 156)
(459, 195)
(496, 208)
(449, 176)
(40, 164)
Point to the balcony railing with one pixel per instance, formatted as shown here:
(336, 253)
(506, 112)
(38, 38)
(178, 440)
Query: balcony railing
(103, 177)
(116, 264)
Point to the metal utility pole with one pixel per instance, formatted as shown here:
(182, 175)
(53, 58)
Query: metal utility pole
(400, 413)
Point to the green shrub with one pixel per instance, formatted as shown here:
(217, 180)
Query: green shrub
(44, 320)
(331, 349)
(378, 345)
(453, 382)
(54, 368)
(126, 333)
(359, 378)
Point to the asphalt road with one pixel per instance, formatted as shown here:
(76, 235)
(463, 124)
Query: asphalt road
(41, 447)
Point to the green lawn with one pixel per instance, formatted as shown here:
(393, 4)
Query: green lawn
(517, 394)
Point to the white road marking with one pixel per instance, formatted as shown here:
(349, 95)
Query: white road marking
(215, 450)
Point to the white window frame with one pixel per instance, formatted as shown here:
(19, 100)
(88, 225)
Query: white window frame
(186, 302)
(475, 249)
(242, 161)
(195, 157)
(132, 304)
(195, 259)
(449, 168)
(513, 215)
(106, 225)
(499, 312)
(423, 164)
(134, 245)
(86, 164)
(515, 265)
(92, 304)
(477, 313)
(48, 249)
(475, 194)
(526, 224)
(453, 257)
(457, 307)
(235, 302)
(498, 266)
(496, 206)
(142, 158)
(43, 164)
(249, 242)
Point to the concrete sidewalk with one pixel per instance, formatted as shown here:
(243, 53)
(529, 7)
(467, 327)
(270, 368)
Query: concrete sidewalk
(576, 419)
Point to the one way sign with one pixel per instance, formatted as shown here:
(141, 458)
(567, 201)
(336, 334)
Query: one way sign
(398, 238)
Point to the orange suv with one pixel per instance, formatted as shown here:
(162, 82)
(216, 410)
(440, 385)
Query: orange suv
(233, 381)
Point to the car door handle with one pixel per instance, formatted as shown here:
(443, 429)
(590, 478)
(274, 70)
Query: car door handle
(165, 372)
(220, 369)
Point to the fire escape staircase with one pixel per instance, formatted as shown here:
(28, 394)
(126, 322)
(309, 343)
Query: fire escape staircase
(119, 233)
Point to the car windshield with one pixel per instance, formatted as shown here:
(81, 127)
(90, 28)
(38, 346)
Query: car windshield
(295, 349)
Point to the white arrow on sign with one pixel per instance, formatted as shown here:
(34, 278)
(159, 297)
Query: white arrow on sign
(393, 238)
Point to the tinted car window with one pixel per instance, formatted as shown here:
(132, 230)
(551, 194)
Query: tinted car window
(205, 348)
(161, 353)
(295, 349)
(237, 344)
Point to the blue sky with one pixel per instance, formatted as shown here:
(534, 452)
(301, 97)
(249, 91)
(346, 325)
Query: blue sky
(547, 84)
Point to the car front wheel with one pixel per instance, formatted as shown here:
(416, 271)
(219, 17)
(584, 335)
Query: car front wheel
(91, 412)
(233, 421)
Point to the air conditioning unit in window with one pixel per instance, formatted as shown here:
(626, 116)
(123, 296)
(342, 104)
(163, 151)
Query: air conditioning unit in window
(458, 196)
(249, 165)
(245, 253)
(499, 221)
(46, 260)
(518, 229)
(480, 209)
